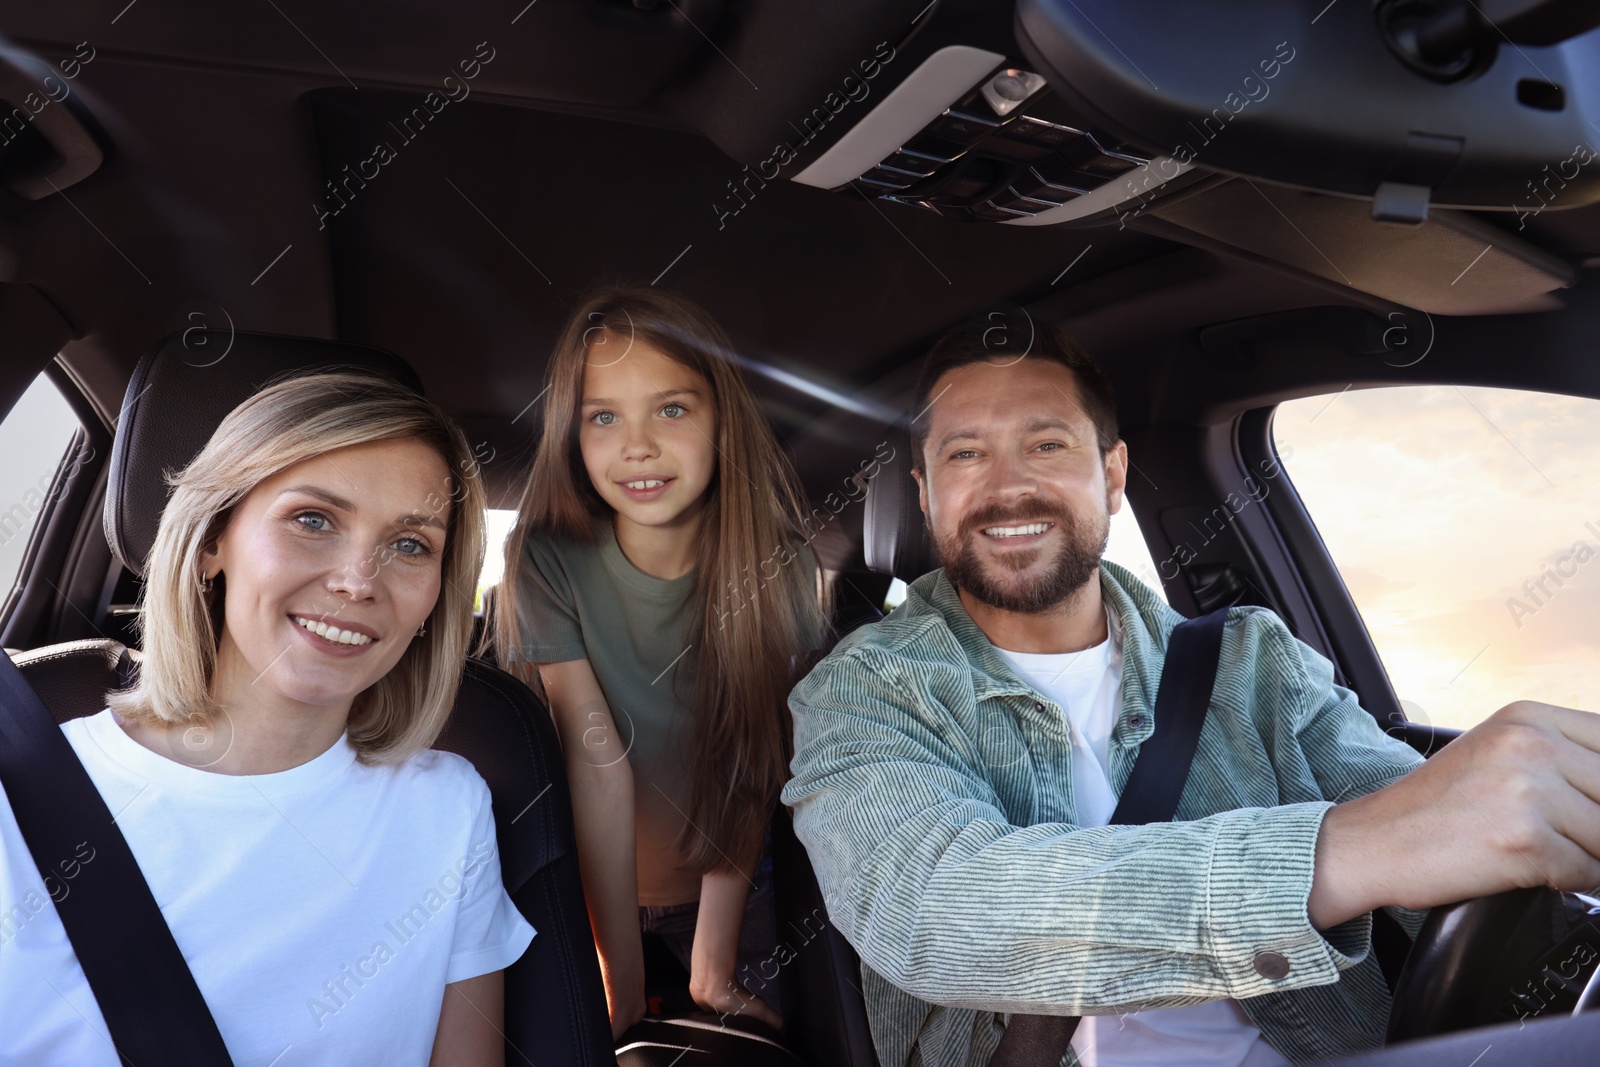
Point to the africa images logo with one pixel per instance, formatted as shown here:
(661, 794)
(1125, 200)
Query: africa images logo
(456, 89)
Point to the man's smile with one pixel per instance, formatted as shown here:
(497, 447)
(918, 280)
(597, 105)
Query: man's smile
(1017, 533)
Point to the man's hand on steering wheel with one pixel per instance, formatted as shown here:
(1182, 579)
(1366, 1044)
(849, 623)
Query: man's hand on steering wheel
(1512, 803)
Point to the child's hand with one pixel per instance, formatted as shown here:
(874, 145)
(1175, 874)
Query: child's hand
(624, 1001)
(715, 953)
(727, 998)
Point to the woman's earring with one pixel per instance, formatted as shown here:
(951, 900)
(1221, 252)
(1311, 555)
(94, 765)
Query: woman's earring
(205, 583)
(422, 629)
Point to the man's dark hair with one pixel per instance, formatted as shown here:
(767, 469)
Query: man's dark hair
(966, 344)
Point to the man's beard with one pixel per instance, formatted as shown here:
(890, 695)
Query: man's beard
(1076, 560)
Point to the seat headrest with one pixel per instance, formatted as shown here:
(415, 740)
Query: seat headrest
(895, 541)
(178, 395)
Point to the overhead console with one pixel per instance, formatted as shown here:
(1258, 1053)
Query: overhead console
(928, 104)
(969, 137)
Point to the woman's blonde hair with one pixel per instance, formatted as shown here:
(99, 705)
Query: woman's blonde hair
(297, 419)
(737, 676)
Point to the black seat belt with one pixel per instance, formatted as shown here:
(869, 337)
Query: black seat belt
(151, 1004)
(1151, 795)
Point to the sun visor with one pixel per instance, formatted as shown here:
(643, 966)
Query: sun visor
(1454, 263)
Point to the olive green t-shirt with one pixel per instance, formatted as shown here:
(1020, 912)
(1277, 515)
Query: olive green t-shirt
(579, 600)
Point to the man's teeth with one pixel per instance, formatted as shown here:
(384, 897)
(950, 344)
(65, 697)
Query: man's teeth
(645, 483)
(1017, 531)
(333, 633)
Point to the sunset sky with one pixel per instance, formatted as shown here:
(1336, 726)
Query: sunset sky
(1437, 504)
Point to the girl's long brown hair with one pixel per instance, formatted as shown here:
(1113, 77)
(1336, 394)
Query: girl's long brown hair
(755, 605)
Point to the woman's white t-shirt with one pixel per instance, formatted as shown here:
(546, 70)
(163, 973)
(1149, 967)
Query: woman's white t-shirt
(322, 909)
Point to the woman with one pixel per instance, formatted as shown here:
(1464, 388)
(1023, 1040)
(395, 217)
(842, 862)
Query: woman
(332, 882)
(660, 583)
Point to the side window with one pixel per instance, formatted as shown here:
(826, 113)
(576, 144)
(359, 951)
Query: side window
(1465, 522)
(1126, 545)
(499, 525)
(34, 438)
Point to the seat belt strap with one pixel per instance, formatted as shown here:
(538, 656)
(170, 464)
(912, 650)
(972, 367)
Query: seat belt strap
(152, 1007)
(1155, 785)
(1151, 794)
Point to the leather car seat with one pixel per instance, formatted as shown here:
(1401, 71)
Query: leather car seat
(894, 537)
(827, 1012)
(555, 1001)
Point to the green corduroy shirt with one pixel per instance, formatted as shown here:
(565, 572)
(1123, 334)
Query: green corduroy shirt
(933, 790)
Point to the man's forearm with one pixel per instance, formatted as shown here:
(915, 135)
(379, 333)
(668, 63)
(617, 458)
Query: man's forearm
(1188, 907)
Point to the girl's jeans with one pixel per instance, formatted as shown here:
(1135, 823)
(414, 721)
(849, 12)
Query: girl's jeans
(757, 966)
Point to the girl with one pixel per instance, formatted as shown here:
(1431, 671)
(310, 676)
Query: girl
(662, 591)
(332, 883)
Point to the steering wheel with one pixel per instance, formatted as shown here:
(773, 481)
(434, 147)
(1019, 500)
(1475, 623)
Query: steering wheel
(1590, 1001)
(1521, 954)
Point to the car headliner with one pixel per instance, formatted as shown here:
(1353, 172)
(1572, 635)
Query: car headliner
(467, 249)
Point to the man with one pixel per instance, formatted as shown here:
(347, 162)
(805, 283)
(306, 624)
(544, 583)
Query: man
(956, 766)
